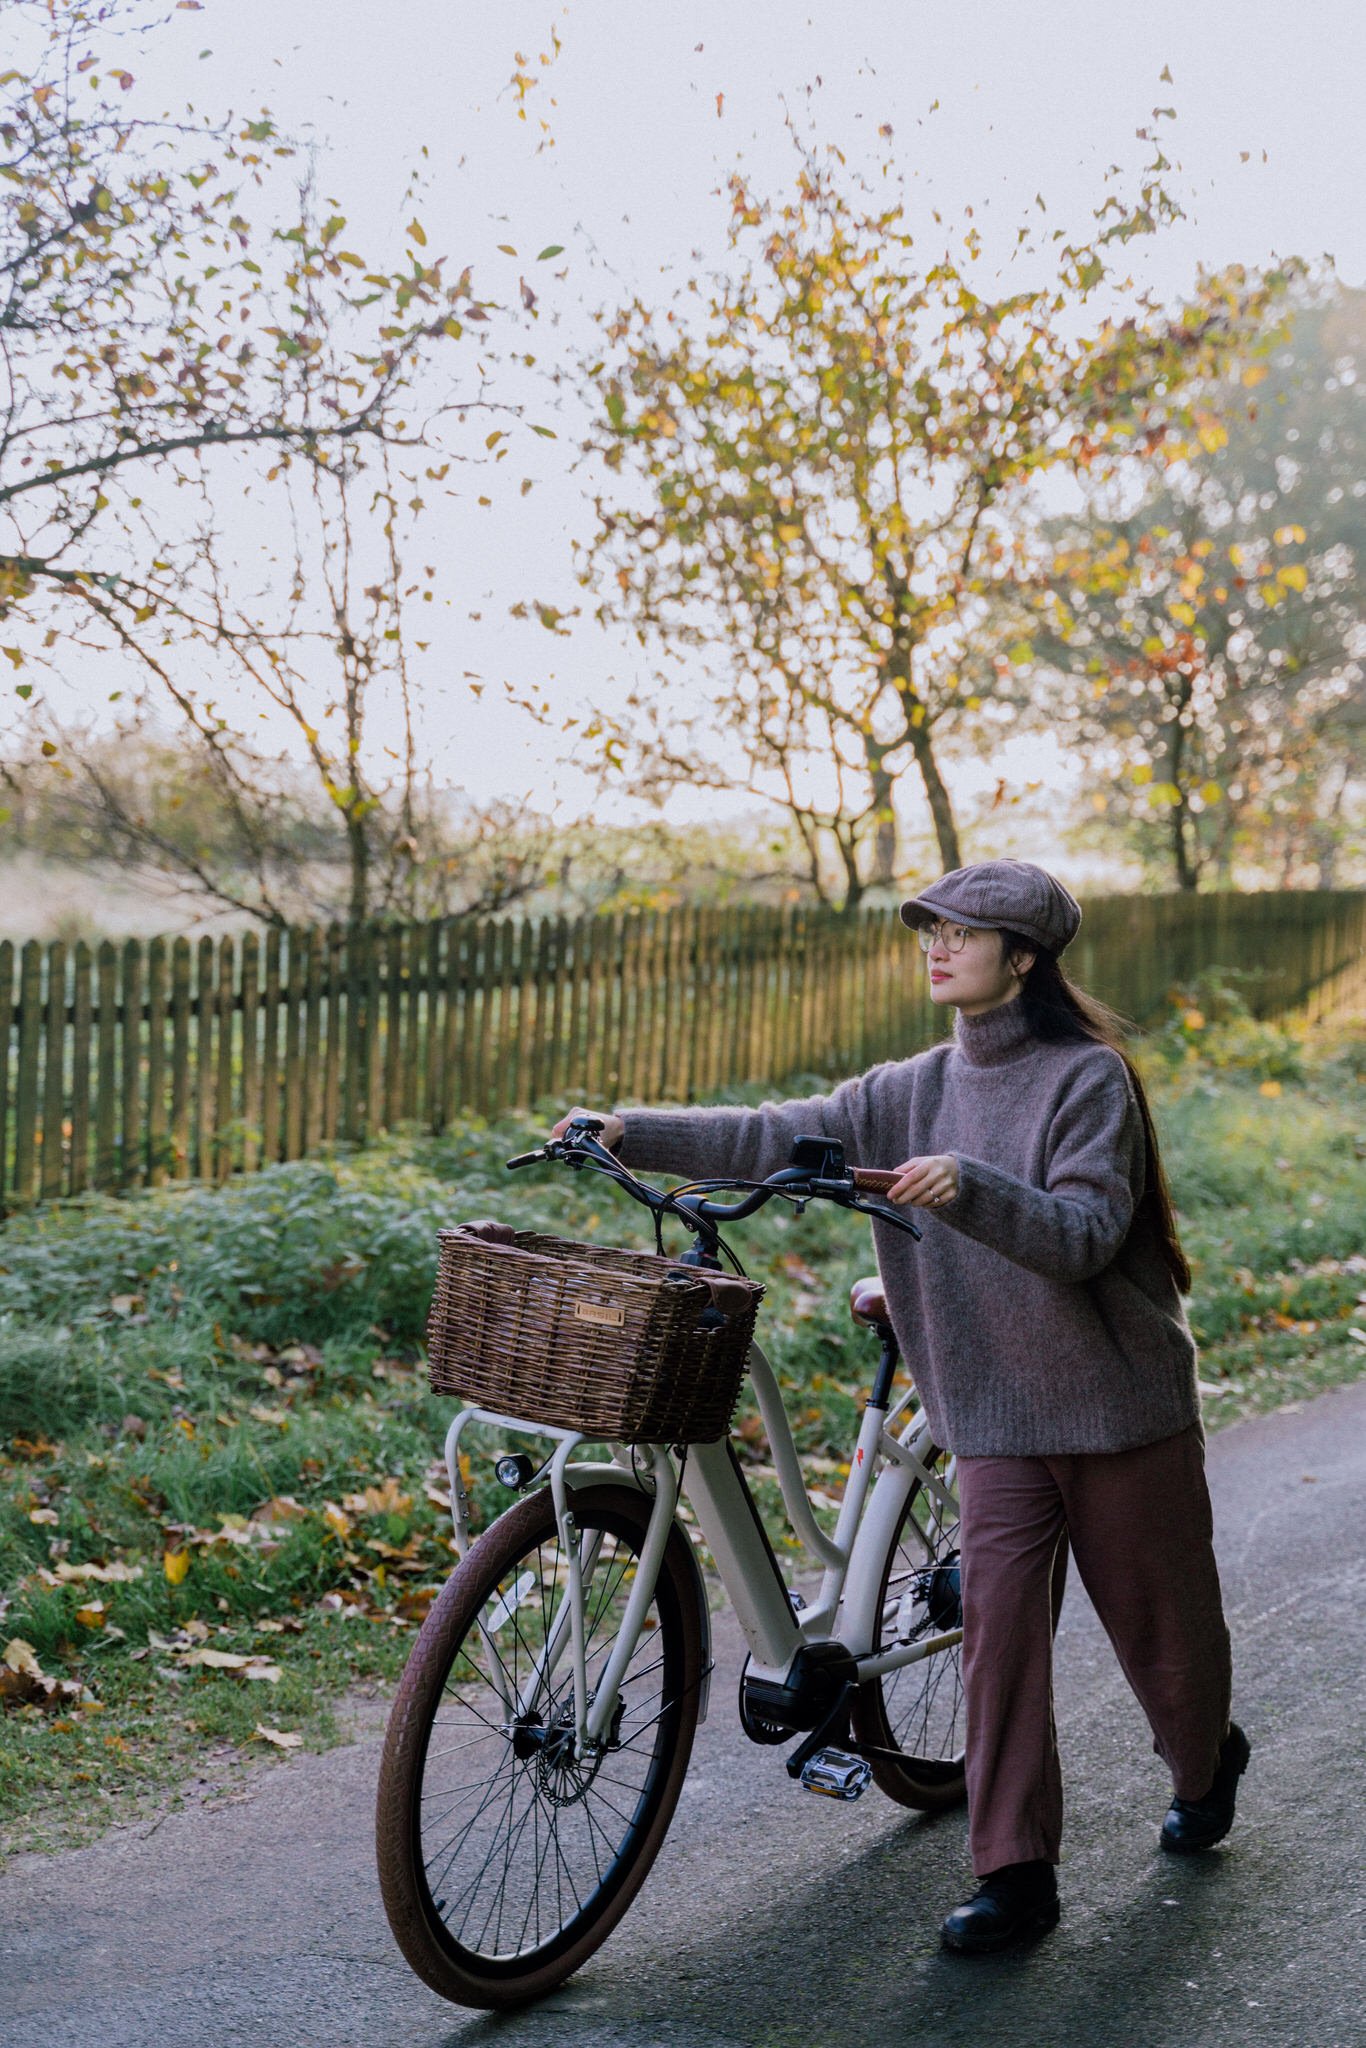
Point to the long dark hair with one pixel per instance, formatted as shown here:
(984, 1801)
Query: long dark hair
(1055, 1008)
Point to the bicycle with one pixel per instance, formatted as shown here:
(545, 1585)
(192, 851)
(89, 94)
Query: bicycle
(542, 1728)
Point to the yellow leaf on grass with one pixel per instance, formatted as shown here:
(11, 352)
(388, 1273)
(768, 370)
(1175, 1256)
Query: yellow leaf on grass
(175, 1564)
(45, 1517)
(282, 1738)
(21, 1656)
(1270, 1088)
(91, 1615)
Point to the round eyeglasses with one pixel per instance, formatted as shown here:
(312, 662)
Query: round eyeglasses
(952, 937)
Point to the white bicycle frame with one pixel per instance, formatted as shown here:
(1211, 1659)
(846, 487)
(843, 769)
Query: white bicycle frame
(891, 1456)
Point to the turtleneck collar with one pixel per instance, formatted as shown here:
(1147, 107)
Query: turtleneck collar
(994, 1037)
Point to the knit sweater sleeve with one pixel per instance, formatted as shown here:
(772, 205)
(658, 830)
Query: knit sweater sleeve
(705, 1144)
(1071, 1227)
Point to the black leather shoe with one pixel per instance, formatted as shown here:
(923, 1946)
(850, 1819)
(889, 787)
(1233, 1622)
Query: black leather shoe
(1193, 1824)
(1011, 1904)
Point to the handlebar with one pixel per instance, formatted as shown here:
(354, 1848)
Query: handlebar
(829, 1180)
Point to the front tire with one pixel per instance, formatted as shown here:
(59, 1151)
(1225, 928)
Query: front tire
(504, 1860)
(917, 1710)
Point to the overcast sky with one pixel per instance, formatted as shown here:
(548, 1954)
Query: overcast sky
(989, 105)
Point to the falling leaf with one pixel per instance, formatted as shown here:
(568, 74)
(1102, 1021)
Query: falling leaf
(282, 1738)
(417, 233)
(720, 102)
(554, 249)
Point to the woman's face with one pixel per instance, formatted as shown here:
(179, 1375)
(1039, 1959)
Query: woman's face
(976, 975)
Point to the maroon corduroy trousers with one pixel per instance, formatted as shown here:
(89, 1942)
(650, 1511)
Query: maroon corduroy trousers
(1140, 1529)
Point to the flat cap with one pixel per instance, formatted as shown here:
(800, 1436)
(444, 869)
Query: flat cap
(996, 894)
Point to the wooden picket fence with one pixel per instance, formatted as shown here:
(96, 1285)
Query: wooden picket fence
(131, 1065)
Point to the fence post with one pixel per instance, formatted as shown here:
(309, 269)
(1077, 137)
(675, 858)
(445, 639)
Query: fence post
(156, 1062)
(106, 1071)
(251, 1066)
(132, 1159)
(26, 1084)
(80, 1064)
(54, 1099)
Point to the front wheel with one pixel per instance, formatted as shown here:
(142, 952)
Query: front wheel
(917, 1710)
(506, 1859)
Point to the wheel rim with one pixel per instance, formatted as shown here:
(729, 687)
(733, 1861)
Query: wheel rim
(923, 1702)
(516, 1837)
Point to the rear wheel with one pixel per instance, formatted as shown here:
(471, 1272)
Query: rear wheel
(917, 1710)
(505, 1859)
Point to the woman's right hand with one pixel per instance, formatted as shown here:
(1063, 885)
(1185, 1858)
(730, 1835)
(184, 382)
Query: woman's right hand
(613, 1128)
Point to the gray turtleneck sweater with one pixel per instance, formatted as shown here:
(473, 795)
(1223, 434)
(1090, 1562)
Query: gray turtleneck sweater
(1037, 1314)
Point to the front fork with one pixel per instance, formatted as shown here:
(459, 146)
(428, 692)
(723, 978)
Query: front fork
(593, 1715)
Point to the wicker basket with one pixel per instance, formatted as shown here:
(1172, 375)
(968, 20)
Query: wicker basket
(622, 1345)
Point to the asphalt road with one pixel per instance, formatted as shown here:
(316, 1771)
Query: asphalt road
(776, 1920)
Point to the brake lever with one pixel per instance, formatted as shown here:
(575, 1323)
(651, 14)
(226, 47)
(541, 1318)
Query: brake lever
(888, 1215)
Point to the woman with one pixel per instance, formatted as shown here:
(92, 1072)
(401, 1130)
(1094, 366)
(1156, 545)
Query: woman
(1042, 1320)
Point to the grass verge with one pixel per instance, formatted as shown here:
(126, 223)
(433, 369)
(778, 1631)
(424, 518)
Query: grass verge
(221, 1502)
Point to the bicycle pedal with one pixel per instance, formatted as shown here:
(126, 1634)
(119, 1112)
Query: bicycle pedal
(836, 1775)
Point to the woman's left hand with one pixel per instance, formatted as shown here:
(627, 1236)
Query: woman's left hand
(925, 1183)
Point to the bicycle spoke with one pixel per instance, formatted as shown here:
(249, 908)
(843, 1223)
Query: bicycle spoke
(518, 1833)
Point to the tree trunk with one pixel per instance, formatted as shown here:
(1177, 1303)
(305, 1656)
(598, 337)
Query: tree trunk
(853, 880)
(884, 826)
(941, 808)
(1187, 869)
(1187, 875)
(358, 847)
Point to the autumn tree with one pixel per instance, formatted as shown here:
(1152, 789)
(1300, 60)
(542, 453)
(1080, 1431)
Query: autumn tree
(185, 327)
(816, 469)
(1199, 636)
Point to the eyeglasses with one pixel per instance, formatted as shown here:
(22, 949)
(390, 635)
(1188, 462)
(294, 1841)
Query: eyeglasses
(952, 937)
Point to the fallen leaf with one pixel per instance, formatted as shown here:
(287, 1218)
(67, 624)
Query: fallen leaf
(175, 1564)
(282, 1738)
(92, 1614)
(385, 1499)
(21, 1656)
(45, 1517)
(116, 1574)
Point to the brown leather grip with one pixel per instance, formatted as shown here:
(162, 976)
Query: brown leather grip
(871, 1180)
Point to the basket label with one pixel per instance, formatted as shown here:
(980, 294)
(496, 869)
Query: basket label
(610, 1317)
